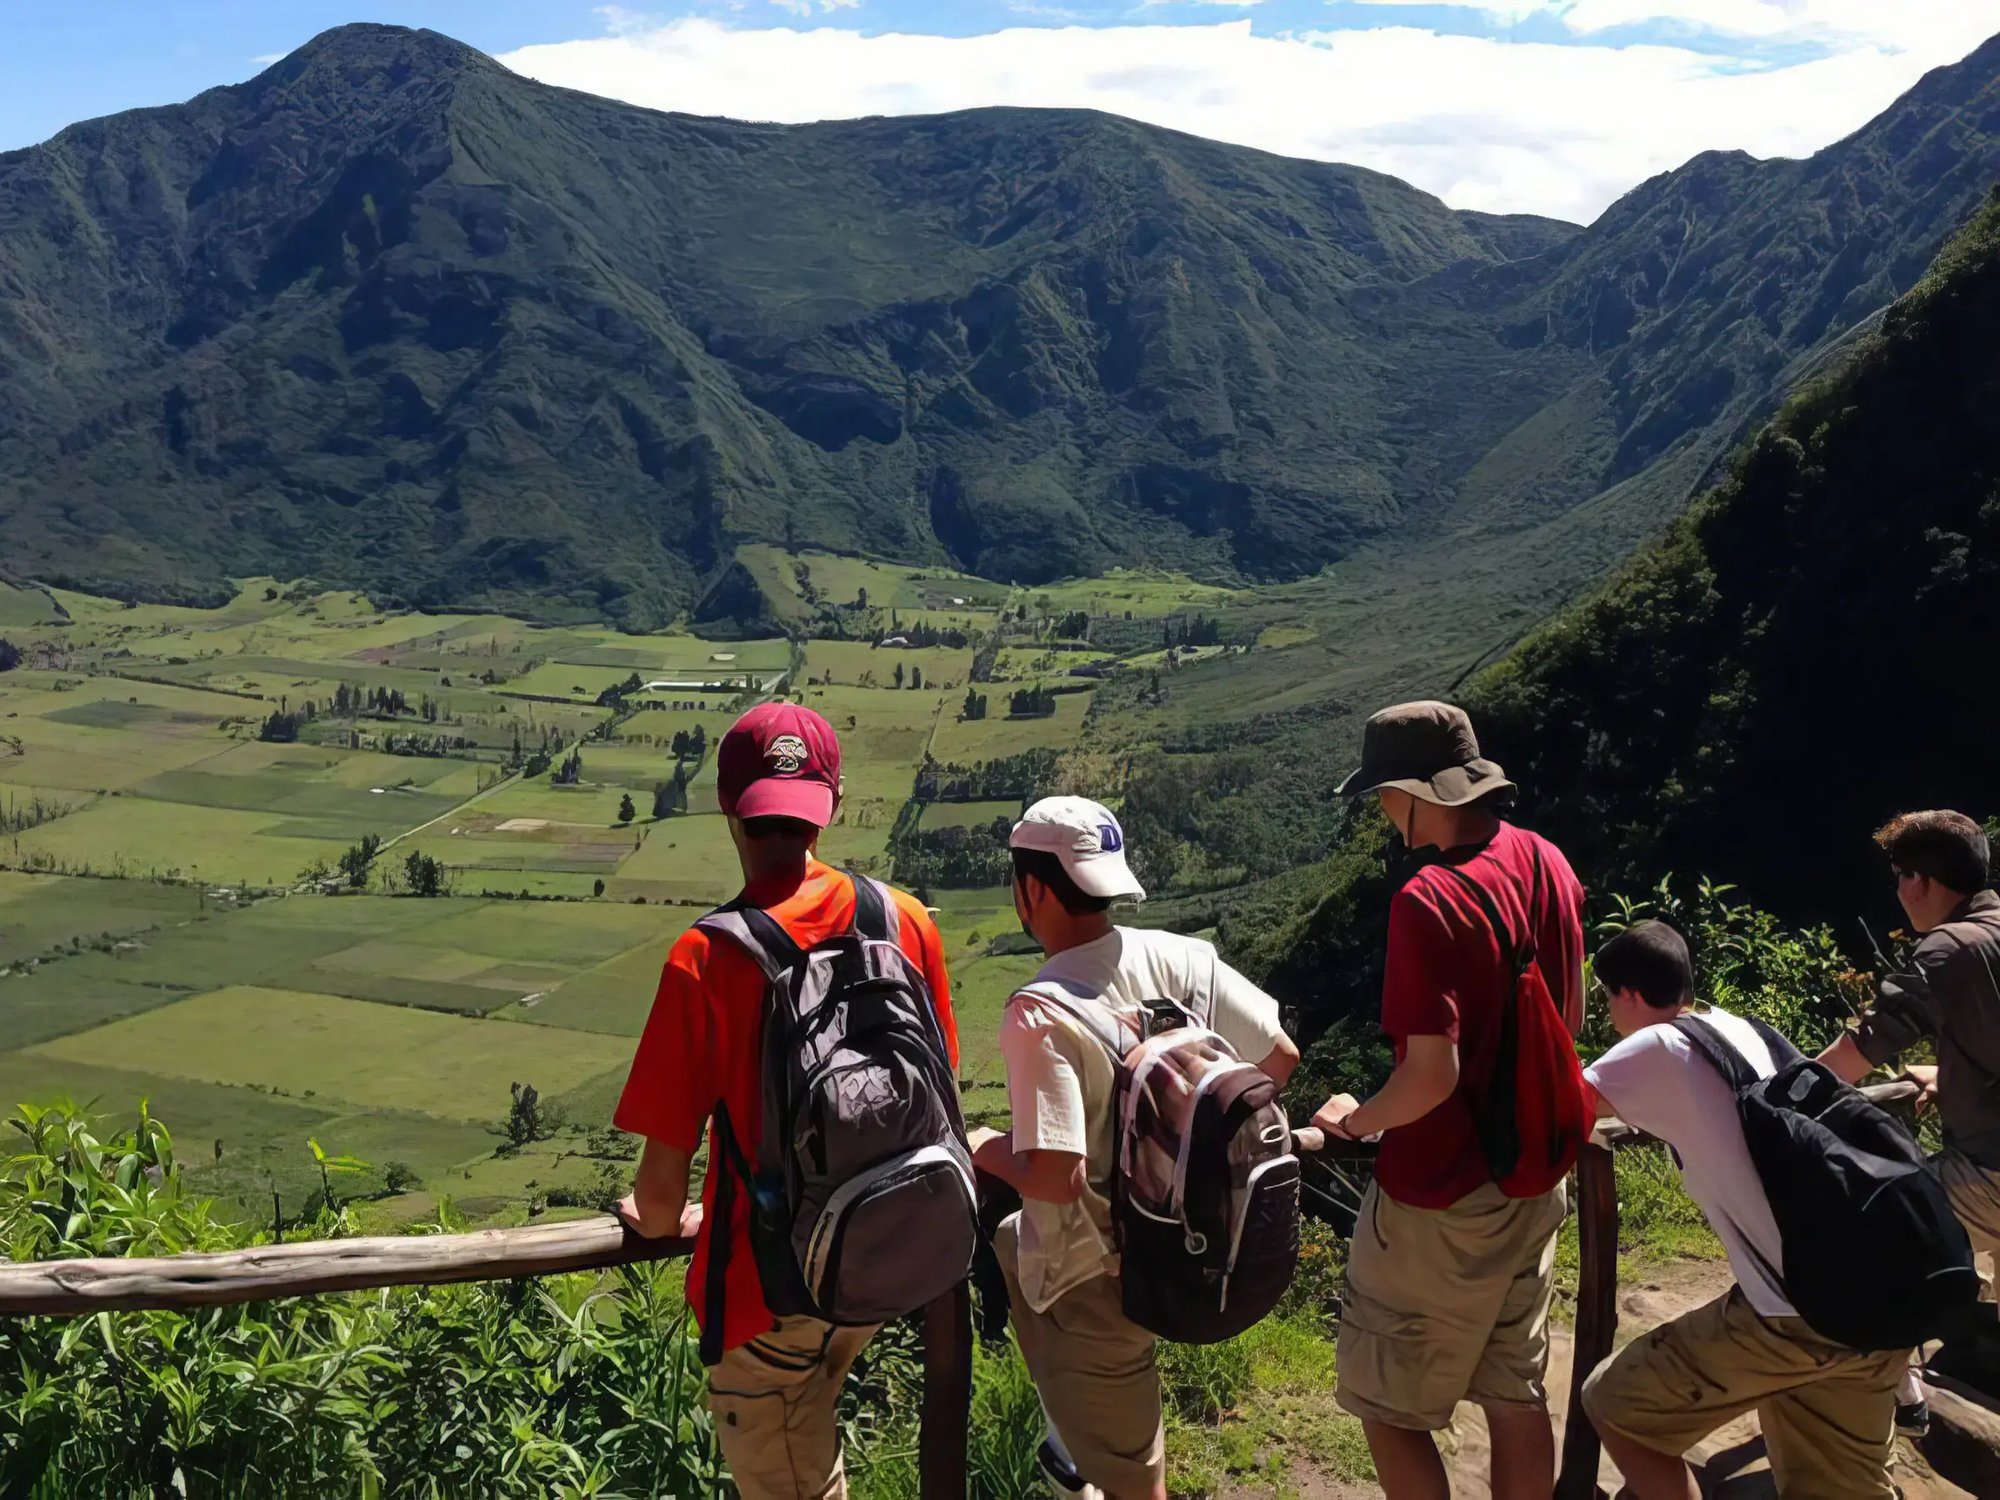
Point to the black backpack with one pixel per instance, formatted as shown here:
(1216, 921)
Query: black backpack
(862, 1205)
(1204, 1186)
(1874, 1257)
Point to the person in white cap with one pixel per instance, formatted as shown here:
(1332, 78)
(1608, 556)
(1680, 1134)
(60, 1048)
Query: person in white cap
(1093, 1367)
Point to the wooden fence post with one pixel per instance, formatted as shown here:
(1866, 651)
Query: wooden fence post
(947, 1418)
(1596, 1311)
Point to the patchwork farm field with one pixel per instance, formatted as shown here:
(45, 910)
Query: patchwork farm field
(213, 823)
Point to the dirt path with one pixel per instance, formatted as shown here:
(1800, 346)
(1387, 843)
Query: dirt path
(1735, 1466)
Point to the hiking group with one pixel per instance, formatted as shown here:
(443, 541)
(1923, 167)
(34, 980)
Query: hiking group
(806, 1029)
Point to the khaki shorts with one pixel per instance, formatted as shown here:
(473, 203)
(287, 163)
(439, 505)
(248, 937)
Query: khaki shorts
(1447, 1305)
(773, 1400)
(1975, 1197)
(1094, 1371)
(1828, 1413)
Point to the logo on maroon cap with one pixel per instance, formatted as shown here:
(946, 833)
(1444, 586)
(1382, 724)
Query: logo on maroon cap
(787, 754)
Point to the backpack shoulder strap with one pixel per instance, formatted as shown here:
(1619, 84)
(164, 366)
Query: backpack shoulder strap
(1509, 949)
(758, 934)
(1093, 1025)
(1783, 1053)
(1709, 1043)
(875, 914)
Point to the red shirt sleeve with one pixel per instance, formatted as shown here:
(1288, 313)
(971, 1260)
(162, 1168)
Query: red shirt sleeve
(671, 1089)
(924, 944)
(1421, 977)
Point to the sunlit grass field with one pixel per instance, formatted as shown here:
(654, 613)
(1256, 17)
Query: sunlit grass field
(168, 928)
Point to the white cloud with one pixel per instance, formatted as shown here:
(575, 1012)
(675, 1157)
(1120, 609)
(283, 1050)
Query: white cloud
(265, 59)
(1955, 26)
(1484, 123)
(621, 20)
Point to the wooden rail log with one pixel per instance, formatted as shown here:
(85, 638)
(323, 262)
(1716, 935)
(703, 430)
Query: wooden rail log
(70, 1288)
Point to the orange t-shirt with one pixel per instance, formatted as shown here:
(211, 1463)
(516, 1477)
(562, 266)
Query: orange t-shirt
(704, 1042)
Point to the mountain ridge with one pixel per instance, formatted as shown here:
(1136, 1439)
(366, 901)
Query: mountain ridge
(392, 316)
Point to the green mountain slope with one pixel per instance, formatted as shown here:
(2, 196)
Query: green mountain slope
(390, 312)
(393, 316)
(1803, 654)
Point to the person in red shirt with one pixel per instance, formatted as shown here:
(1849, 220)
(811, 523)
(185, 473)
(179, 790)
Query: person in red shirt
(1449, 1279)
(774, 1389)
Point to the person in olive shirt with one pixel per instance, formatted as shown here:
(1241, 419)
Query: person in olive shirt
(1951, 995)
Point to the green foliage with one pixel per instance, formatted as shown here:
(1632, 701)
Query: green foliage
(10, 655)
(955, 856)
(426, 876)
(578, 1385)
(529, 1119)
(1746, 961)
(355, 861)
(280, 727)
(1788, 667)
(331, 1166)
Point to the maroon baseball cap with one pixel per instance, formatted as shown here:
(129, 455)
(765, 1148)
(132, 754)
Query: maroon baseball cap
(779, 761)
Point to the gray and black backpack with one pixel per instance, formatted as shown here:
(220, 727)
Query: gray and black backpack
(862, 1206)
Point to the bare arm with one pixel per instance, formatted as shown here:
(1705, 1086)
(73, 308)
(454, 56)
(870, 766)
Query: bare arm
(658, 1204)
(1845, 1061)
(1046, 1176)
(1283, 1059)
(1423, 1080)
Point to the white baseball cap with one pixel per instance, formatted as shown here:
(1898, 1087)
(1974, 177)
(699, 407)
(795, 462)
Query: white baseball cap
(1087, 839)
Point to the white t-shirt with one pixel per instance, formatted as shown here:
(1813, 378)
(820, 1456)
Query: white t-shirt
(1060, 1079)
(1656, 1082)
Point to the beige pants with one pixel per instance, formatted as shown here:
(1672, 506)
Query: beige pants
(1828, 1413)
(1975, 1197)
(773, 1400)
(1094, 1370)
(1447, 1305)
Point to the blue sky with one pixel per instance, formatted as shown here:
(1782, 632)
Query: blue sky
(1552, 106)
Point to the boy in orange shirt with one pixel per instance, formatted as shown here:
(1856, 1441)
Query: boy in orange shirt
(774, 1388)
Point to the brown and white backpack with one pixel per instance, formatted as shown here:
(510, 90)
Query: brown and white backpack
(1204, 1187)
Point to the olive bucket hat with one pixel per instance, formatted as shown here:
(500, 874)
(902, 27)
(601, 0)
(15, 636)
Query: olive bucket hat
(1428, 750)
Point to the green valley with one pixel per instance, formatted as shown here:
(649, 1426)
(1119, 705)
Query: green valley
(210, 817)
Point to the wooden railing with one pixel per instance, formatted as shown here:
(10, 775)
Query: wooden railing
(73, 1288)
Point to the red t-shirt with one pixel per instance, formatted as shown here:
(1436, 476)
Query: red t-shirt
(704, 1042)
(1445, 976)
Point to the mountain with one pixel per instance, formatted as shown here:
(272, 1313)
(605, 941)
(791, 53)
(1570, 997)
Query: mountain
(392, 316)
(1802, 655)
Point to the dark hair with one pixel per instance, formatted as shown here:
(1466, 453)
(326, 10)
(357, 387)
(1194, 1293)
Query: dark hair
(1945, 846)
(1048, 869)
(778, 828)
(1649, 957)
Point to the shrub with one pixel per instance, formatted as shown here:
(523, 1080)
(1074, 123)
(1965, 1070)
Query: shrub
(573, 1385)
(1746, 961)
